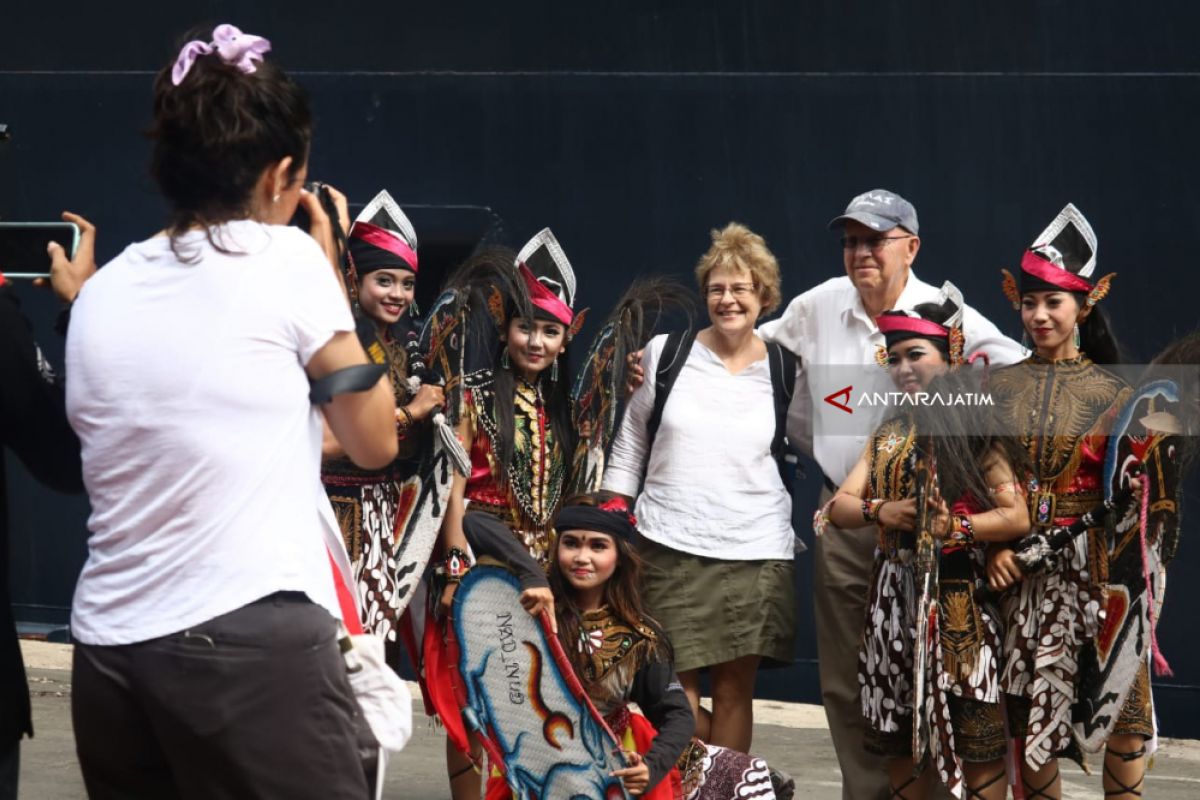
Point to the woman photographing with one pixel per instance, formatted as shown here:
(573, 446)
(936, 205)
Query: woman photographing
(207, 662)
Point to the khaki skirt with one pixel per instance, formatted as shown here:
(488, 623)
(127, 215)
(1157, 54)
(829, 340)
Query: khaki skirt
(716, 611)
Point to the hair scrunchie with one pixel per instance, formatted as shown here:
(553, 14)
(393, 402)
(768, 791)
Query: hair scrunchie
(242, 50)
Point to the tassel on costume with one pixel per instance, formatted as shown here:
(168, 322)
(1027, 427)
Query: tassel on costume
(453, 447)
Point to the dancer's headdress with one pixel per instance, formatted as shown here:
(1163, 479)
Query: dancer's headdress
(548, 277)
(382, 237)
(1061, 259)
(897, 326)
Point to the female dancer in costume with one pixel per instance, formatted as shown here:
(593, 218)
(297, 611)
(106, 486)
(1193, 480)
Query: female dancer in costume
(719, 430)
(515, 423)
(621, 655)
(965, 721)
(382, 276)
(1061, 403)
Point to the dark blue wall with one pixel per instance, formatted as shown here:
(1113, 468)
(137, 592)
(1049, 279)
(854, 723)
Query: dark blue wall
(632, 128)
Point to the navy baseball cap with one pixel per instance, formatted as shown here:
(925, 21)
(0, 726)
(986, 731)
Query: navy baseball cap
(879, 210)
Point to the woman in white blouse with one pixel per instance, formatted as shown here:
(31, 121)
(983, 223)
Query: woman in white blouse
(713, 510)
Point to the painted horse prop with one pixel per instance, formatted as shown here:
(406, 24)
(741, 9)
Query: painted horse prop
(518, 693)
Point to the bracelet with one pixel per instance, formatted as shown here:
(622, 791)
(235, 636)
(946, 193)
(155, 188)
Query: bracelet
(405, 425)
(962, 530)
(821, 517)
(870, 509)
(455, 565)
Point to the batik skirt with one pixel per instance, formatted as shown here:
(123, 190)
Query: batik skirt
(962, 682)
(1048, 618)
(366, 515)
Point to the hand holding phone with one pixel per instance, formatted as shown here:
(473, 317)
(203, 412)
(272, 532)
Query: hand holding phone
(69, 247)
(23, 246)
(68, 274)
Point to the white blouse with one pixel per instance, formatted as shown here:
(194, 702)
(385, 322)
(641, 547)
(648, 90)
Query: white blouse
(712, 487)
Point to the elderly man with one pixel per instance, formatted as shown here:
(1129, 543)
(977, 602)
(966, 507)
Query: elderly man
(832, 327)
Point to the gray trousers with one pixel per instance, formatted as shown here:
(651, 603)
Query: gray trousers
(10, 770)
(842, 563)
(252, 704)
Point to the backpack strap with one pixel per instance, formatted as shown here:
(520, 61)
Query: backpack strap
(670, 364)
(783, 381)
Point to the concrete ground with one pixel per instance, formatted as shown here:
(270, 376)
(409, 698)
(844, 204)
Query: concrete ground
(790, 736)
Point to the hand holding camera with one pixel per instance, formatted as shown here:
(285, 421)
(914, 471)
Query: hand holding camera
(325, 206)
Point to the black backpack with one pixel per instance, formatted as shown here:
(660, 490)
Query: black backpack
(783, 379)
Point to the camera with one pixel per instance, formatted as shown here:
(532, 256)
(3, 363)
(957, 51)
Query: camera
(301, 218)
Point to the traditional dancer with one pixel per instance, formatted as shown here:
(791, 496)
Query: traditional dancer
(961, 712)
(498, 339)
(1061, 404)
(622, 655)
(381, 278)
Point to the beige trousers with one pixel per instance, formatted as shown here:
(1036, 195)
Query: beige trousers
(841, 573)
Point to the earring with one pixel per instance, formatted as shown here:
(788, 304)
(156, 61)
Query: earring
(1076, 336)
(414, 311)
(504, 361)
(554, 371)
(1025, 340)
(275, 199)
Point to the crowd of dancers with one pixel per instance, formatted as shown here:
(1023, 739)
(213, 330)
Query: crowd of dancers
(987, 581)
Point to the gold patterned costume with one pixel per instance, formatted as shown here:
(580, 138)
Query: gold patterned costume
(1061, 411)
(624, 663)
(532, 489)
(368, 504)
(961, 684)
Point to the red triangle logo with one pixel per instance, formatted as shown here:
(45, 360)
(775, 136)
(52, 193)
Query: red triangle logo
(844, 402)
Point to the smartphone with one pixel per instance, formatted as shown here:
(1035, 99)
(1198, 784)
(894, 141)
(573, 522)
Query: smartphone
(23, 246)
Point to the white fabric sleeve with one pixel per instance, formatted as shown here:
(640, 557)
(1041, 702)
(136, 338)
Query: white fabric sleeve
(317, 308)
(788, 329)
(800, 414)
(631, 448)
(982, 335)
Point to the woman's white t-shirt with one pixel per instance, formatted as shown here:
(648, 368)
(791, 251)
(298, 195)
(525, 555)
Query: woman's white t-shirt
(712, 487)
(201, 451)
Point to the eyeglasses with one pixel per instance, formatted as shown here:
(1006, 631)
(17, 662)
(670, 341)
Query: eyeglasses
(873, 243)
(739, 291)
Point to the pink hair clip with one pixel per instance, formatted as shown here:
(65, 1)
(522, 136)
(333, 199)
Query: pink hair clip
(242, 50)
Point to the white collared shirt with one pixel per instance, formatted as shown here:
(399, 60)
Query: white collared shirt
(829, 330)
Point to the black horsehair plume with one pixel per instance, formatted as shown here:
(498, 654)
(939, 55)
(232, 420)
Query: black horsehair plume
(1180, 362)
(462, 337)
(600, 383)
